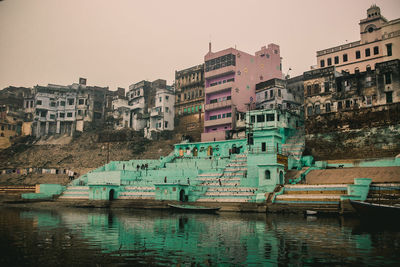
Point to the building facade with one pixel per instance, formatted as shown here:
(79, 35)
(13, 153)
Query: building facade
(162, 114)
(274, 94)
(189, 101)
(140, 98)
(327, 90)
(379, 42)
(230, 77)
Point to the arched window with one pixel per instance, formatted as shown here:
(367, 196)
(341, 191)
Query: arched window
(267, 175)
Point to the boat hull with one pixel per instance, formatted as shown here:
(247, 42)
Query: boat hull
(371, 209)
(191, 208)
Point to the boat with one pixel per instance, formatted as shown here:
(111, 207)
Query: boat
(375, 209)
(192, 208)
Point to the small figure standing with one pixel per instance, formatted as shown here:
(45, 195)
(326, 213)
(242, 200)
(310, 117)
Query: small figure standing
(219, 181)
(165, 179)
(188, 181)
(137, 167)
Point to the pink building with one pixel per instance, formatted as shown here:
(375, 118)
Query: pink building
(230, 78)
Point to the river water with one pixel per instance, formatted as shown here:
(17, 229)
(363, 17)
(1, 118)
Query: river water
(81, 237)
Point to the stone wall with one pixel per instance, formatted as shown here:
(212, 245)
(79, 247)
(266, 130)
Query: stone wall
(359, 133)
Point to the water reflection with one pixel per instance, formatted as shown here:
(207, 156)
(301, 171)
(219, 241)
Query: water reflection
(88, 237)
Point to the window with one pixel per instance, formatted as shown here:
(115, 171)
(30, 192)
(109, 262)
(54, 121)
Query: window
(369, 100)
(309, 111)
(368, 68)
(166, 97)
(358, 54)
(271, 93)
(263, 147)
(228, 115)
(348, 103)
(69, 114)
(81, 101)
(388, 78)
(308, 89)
(339, 105)
(327, 107)
(38, 102)
(317, 109)
(52, 116)
(167, 109)
(165, 124)
(389, 50)
(252, 119)
(260, 118)
(279, 92)
(376, 50)
(79, 112)
(389, 97)
(267, 175)
(367, 52)
(62, 115)
(52, 104)
(159, 99)
(71, 101)
(2, 127)
(345, 58)
(329, 61)
(220, 62)
(62, 103)
(336, 60)
(265, 94)
(327, 86)
(322, 63)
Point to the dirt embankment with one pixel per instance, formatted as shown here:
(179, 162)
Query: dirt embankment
(80, 154)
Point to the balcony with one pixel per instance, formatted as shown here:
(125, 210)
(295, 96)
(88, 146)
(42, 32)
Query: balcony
(156, 113)
(218, 122)
(220, 72)
(222, 104)
(137, 106)
(219, 87)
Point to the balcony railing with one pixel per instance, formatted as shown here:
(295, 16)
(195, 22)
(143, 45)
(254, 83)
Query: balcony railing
(217, 105)
(219, 87)
(156, 113)
(217, 122)
(219, 72)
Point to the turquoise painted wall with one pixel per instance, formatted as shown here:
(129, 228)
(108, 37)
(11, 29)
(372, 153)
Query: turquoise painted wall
(170, 191)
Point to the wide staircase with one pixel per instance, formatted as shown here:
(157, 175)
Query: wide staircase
(224, 185)
(75, 192)
(138, 192)
(324, 198)
(295, 145)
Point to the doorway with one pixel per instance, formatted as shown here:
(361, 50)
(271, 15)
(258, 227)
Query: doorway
(182, 196)
(281, 180)
(111, 195)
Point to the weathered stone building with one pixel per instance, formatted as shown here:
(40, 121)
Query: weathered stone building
(353, 115)
(274, 94)
(189, 101)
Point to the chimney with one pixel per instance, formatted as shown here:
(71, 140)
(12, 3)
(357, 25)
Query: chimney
(209, 47)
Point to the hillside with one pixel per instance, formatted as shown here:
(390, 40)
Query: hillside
(79, 154)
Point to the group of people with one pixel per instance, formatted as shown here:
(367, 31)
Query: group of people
(142, 167)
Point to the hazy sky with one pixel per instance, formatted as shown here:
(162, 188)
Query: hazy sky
(119, 42)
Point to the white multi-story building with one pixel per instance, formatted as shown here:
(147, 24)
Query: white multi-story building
(121, 112)
(54, 110)
(162, 114)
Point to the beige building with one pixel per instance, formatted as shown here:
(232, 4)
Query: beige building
(379, 42)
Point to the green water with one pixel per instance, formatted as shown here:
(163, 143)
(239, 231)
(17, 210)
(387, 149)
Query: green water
(76, 237)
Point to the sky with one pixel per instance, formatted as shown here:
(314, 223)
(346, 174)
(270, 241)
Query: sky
(117, 43)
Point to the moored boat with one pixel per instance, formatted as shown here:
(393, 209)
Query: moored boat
(375, 209)
(192, 208)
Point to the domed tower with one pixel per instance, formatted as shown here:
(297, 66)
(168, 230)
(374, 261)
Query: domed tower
(370, 27)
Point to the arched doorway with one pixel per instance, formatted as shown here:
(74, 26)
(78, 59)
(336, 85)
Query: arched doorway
(281, 179)
(111, 194)
(182, 196)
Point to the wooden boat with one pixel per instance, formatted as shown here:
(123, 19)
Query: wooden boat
(192, 208)
(375, 209)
